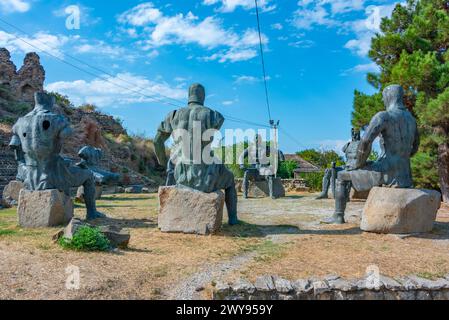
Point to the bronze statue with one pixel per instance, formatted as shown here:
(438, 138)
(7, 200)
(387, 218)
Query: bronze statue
(37, 141)
(186, 166)
(259, 171)
(398, 131)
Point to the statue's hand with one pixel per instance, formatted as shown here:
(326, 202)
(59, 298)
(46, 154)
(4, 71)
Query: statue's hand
(82, 164)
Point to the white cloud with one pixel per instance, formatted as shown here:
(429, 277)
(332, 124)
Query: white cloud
(277, 26)
(365, 29)
(110, 91)
(231, 5)
(245, 79)
(183, 29)
(39, 42)
(336, 145)
(362, 68)
(86, 14)
(323, 12)
(9, 6)
(302, 44)
(141, 15)
(306, 18)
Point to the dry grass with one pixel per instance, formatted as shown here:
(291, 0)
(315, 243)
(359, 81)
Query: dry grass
(280, 234)
(32, 266)
(347, 251)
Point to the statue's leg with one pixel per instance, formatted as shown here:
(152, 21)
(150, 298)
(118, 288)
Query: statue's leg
(226, 181)
(231, 204)
(245, 184)
(270, 186)
(326, 181)
(89, 200)
(341, 198)
(170, 181)
(86, 178)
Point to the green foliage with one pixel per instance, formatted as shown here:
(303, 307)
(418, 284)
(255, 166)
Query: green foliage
(86, 239)
(365, 107)
(313, 180)
(8, 120)
(88, 107)
(286, 169)
(322, 159)
(412, 50)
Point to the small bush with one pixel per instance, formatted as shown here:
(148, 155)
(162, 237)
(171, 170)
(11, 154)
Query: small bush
(86, 239)
(313, 180)
(8, 120)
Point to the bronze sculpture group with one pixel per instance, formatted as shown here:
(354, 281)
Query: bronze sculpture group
(38, 136)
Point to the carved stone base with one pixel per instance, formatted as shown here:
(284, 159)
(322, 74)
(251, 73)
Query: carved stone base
(190, 211)
(80, 193)
(11, 193)
(259, 189)
(47, 208)
(390, 210)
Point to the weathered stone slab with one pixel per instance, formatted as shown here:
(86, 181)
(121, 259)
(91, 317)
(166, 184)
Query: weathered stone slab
(47, 208)
(359, 195)
(117, 237)
(134, 189)
(259, 189)
(187, 210)
(11, 192)
(80, 193)
(391, 210)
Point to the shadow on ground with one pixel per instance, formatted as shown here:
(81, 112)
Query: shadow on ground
(245, 229)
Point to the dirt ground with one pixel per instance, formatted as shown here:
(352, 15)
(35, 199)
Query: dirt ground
(281, 237)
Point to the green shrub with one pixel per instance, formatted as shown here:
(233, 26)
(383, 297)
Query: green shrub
(286, 169)
(8, 120)
(314, 180)
(86, 239)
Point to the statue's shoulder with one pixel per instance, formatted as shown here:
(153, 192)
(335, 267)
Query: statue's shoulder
(380, 117)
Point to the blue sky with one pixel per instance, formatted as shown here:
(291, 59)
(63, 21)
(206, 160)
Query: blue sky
(315, 52)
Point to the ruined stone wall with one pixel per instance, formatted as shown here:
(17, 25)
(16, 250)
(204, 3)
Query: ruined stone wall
(334, 288)
(24, 82)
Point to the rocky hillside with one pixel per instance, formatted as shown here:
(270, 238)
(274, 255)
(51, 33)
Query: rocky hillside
(131, 156)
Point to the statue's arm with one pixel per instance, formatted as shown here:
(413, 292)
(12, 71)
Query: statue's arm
(163, 134)
(16, 146)
(374, 129)
(416, 142)
(219, 120)
(281, 156)
(65, 129)
(242, 157)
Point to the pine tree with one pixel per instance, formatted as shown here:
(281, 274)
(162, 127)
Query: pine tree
(412, 50)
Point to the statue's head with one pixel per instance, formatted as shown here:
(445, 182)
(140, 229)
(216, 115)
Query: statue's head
(355, 134)
(393, 97)
(197, 94)
(44, 101)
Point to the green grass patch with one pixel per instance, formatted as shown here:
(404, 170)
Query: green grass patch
(7, 232)
(86, 239)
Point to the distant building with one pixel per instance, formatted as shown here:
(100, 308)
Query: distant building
(23, 83)
(303, 166)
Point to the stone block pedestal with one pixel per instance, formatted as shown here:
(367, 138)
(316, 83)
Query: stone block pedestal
(186, 210)
(47, 208)
(11, 192)
(259, 189)
(400, 211)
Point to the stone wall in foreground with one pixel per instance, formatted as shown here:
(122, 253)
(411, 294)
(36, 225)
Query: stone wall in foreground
(334, 288)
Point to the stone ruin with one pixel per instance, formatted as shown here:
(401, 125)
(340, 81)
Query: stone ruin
(24, 82)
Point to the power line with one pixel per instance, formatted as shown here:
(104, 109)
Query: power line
(230, 118)
(263, 61)
(88, 72)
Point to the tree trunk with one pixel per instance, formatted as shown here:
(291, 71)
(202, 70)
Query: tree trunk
(443, 170)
